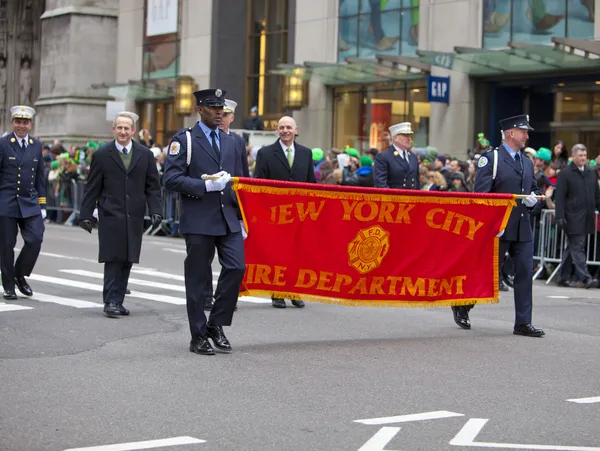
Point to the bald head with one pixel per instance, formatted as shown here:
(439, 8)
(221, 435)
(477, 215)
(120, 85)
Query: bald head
(287, 130)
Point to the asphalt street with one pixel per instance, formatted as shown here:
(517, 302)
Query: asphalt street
(298, 379)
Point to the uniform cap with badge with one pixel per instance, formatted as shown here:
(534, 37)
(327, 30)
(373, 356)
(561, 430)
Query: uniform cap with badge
(403, 128)
(22, 112)
(210, 97)
(521, 121)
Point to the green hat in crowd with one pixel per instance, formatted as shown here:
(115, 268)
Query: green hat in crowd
(544, 154)
(64, 155)
(92, 145)
(55, 164)
(366, 161)
(352, 152)
(593, 163)
(317, 154)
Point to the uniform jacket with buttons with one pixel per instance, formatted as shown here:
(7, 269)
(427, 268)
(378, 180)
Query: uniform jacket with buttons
(22, 178)
(272, 164)
(393, 171)
(510, 179)
(121, 195)
(214, 213)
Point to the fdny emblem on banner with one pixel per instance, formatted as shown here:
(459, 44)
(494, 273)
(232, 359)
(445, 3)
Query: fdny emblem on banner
(367, 250)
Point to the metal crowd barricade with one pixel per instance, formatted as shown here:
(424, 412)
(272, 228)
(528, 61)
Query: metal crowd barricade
(171, 209)
(552, 242)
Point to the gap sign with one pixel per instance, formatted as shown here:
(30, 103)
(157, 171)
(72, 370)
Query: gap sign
(438, 89)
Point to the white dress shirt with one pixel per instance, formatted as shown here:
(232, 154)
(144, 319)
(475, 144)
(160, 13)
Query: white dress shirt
(285, 152)
(120, 147)
(20, 140)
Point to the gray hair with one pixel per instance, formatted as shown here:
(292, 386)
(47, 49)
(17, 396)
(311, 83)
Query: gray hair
(134, 117)
(578, 147)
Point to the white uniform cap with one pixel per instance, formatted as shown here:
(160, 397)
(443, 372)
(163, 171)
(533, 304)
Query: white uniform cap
(22, 112)
(403, 128)
(230, 106)
(133, 116)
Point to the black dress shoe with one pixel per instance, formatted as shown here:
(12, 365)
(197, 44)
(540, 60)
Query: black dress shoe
(278, 303)
(502, 286)
(23, 286)
(528, 331)
(591, 283)
(112, 310)
(10, 295)
(123, 310)
(201, 345)
(298, 304)
(215, 333)
(461, 317)
(209, 304)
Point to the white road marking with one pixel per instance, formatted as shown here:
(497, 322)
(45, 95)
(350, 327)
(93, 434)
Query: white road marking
(467, 435)
(585, 400)
(132, 446)
(147, 283)
(558, 297)
(412, 417)
(64, 301)
(12, 307)
(176, 251)
(380, 439)
(99, 288)
(70, 257)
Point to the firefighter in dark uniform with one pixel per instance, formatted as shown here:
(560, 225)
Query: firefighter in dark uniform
(210, 218)
(22, 202)
(514, 173)
(397, 167)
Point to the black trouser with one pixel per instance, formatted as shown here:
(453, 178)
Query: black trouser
(576, 251)
(32, 231)
(230, 249)
(521, 253)
(116, 276)
(208, 288)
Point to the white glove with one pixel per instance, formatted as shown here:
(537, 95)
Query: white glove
(219, 184)
(95, 213)
(500, 234)
(44, 214)
(530, 200)
(244, 233)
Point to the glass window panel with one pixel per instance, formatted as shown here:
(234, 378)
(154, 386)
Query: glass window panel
(276, 50)
(277, 15)
(273, 93)
(496, 23)
(347, 40)
(573, 106)
(410, 31)
(379, 34)
(537, 21)
(596, 106)
(347, 114)
(254, 55)
(258, 18)
(349, 7)
(160, 60)
(580, 19)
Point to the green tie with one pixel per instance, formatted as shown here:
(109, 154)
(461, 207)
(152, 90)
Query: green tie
(290, 156)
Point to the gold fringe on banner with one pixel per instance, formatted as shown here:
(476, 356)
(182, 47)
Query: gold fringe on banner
(260, 189)
(370, 303)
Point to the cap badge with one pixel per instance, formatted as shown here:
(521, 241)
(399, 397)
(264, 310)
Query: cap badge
(22, 108)
(218, 93)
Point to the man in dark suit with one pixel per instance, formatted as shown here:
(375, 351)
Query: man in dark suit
(123, 179)
(288, 161)
(210, 217)
(228, 118)
(507, 170)
(22, 202)
(577, 197)
(397, 167)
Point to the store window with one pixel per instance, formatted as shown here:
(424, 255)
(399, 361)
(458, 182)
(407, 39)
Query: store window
(536, 21)
(267, 47)
(161, 39)
(363, 115)
(369, 27)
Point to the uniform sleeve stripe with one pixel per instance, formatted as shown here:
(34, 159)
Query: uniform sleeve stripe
(41, 200)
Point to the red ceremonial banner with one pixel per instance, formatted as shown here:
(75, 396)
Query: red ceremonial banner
(369, 246)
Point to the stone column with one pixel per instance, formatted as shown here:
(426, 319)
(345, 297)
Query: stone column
(316, 40)
(79, 49)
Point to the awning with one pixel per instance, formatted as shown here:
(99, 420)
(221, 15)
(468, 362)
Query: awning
(383, 68)
(519, 58)
(138, 90)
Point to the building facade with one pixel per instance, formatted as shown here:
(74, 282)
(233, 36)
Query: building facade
(345, 69)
